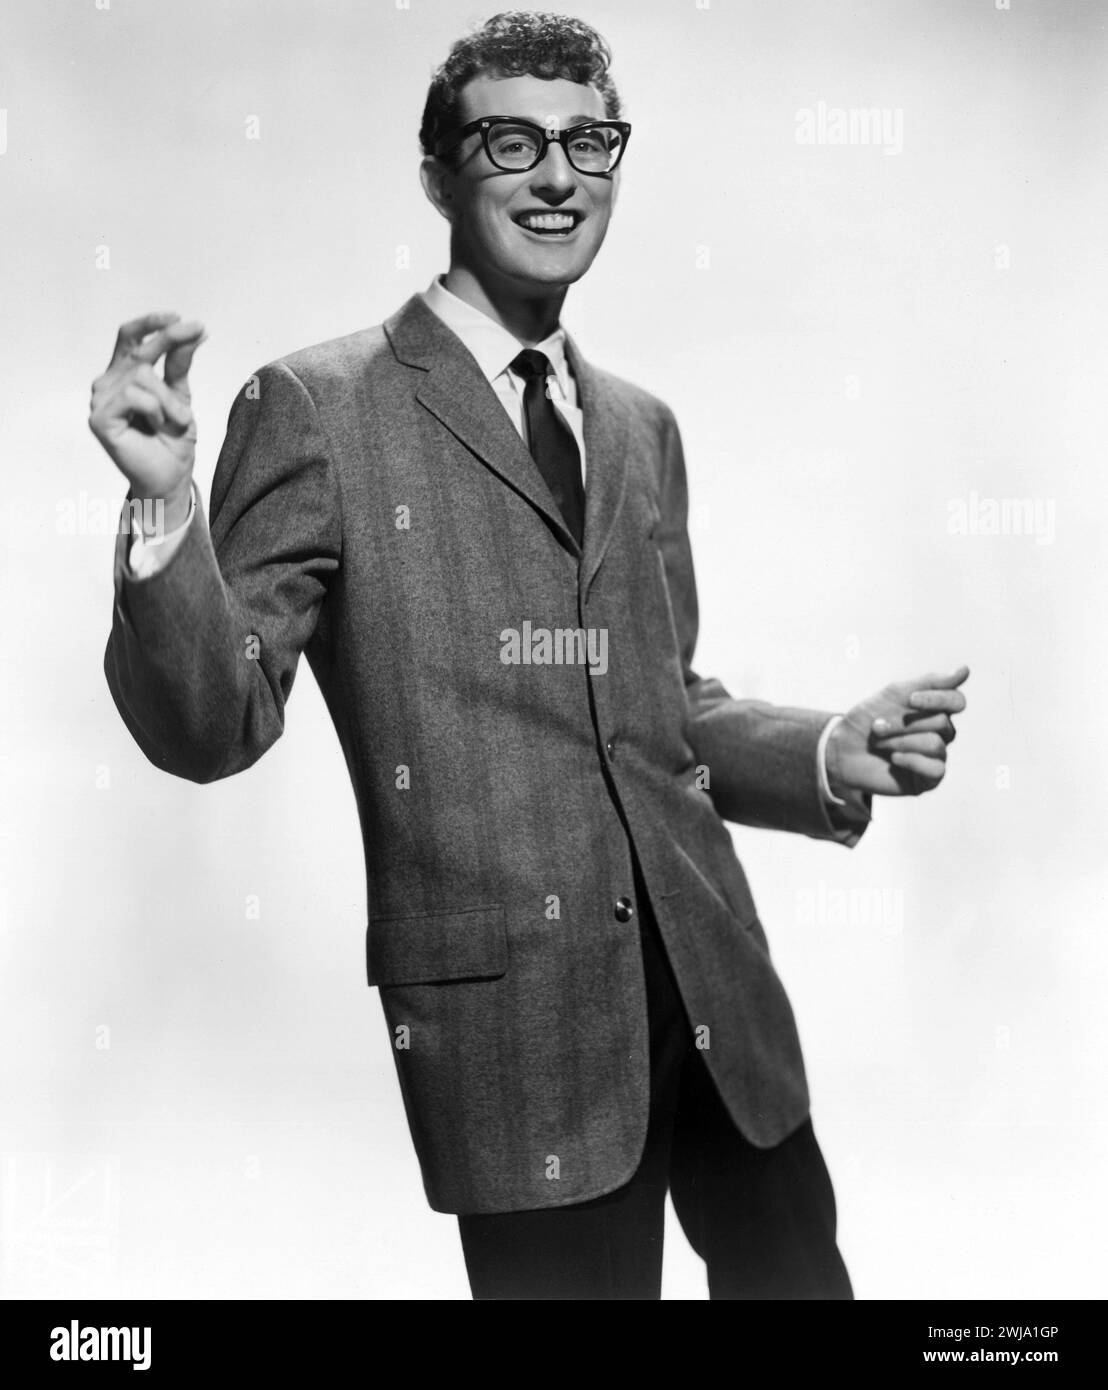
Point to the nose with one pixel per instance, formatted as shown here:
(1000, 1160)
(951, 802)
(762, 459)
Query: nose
(554, 173)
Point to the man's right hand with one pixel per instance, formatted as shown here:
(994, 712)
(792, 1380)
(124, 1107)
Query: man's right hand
(145, 421)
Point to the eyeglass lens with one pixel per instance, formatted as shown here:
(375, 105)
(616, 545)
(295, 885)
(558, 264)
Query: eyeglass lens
(593, 150)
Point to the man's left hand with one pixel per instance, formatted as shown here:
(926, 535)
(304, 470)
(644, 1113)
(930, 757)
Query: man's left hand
(894, 743)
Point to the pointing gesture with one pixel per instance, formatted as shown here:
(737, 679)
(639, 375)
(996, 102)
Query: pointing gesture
(894, 743)
(144, 420)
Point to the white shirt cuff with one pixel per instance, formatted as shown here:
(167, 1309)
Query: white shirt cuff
(148, 554)
(821, 761)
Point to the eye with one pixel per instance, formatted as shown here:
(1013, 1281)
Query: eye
(517, 141)
(591, 141)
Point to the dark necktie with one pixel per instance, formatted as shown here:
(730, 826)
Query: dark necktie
(553, 446)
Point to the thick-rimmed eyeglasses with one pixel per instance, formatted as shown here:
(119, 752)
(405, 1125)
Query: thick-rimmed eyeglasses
(516, 145)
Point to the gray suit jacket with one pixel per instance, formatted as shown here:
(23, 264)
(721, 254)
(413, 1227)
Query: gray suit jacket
(374, 507)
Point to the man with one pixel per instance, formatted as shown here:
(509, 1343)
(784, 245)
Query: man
(480, 542)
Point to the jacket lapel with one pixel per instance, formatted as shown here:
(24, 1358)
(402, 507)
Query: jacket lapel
(455, 390)
(607, 440)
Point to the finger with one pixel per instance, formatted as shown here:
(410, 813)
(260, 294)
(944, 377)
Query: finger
(142, 407)
(177, 412)
(131, 334)
(938, 681)
(931, 770)
(112, 405)
(940, 724)
(948, 701)
(919, 722)
(911, 722)
(179, 359)
(930, 744)
(152, 347)
(111, 399)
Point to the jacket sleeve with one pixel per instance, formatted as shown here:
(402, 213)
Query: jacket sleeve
(203, 653)
(761, 758)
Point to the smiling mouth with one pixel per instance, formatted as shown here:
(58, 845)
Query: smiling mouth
(548, 224)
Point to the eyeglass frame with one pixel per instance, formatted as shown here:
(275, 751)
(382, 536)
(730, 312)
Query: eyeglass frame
(483, 124)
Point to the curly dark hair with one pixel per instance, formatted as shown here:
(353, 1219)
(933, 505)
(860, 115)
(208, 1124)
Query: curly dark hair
(517, 43)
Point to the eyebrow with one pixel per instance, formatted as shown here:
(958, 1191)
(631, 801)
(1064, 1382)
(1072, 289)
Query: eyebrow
(569, 121)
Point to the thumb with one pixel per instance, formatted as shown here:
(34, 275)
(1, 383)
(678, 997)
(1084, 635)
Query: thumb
(178, 360)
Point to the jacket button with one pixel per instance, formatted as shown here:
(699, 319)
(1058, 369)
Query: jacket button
(624, 910)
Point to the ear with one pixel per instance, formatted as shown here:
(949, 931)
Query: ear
(437, 181)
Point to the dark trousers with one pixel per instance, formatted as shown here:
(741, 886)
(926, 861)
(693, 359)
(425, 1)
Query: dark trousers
(763, 1220)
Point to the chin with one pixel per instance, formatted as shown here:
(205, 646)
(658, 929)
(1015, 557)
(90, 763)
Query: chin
(550, 274)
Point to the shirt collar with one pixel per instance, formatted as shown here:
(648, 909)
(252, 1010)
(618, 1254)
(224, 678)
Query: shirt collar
(489, 342)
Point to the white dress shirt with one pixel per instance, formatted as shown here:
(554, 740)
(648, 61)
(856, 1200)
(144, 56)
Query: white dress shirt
(494, 348)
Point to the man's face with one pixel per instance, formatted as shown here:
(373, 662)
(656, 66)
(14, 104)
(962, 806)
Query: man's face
(488, 203)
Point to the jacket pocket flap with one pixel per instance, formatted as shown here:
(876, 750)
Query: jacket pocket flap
(470, 943)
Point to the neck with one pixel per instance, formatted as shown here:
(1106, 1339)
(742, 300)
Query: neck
(529, 318)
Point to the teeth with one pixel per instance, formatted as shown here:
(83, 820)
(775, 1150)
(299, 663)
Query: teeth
(547, 221)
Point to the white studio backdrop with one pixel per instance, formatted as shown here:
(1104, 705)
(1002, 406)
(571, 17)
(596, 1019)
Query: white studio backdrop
(870, 344)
